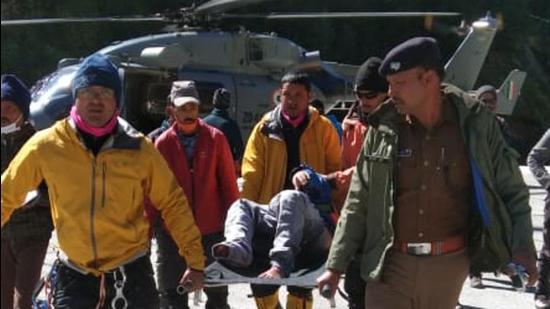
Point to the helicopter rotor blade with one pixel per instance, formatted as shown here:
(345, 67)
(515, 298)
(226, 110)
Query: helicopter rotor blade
(219, 6)
(340, 15)
(22, 22)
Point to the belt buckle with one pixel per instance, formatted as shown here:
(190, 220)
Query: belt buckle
(419, 248)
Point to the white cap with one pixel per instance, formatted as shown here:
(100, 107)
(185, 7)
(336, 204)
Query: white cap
(183, 92)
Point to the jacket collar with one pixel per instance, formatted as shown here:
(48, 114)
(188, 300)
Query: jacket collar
(201, 129)
(125, 136)
(273, 124)
(220, 112)
(386, 117)
(25, 131)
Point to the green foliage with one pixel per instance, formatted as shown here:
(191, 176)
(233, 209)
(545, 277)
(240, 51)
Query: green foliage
(32, 51)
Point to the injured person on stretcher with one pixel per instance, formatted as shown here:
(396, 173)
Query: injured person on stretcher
(294, 228)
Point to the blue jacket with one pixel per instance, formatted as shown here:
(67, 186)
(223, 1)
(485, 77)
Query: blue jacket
(219, 118)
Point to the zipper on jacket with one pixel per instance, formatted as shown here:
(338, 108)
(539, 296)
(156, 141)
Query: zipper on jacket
(103, 185)
(191, 206)
(92, 212)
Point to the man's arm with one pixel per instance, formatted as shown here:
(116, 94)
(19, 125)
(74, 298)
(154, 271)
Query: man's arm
(511, 188)
(350, 230)
(168, 197)
(332, 149)
(253, 165)
(22, 176)
(538, 158)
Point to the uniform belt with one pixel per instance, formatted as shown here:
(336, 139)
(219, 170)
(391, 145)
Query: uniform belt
(445, 246)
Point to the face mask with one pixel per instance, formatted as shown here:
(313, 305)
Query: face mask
(188, 127)
(12, 127)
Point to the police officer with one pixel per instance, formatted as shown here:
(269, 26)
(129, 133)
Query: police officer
(430, 151)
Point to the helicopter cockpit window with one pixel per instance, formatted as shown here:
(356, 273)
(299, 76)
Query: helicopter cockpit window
(255, 51)
(157, 99)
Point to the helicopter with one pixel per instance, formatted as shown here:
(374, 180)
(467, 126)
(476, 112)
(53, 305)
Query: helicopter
(248, 64)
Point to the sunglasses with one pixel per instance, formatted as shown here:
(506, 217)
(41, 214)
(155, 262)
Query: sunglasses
(366, 94)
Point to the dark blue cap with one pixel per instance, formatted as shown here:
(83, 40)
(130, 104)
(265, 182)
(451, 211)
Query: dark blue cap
(13, 89)
(221, 99)
(97, 70)
(415, 52)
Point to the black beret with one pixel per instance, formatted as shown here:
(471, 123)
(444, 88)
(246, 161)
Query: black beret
(368, 78)
(221, 98)
(418, 51)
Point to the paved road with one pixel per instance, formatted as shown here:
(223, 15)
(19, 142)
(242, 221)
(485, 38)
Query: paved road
(497, 293)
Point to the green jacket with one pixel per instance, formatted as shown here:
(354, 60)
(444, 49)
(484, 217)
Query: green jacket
(366, 220)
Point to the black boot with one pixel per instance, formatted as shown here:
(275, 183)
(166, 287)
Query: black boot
(170, 299)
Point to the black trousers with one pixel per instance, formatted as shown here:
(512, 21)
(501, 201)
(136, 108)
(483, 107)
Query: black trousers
(544, 260)
(171, 266)
(76, 290)
(354, 285)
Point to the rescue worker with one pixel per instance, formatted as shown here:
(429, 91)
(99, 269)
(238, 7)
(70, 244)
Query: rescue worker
(286, 137)
(200, 158)
(25, 238)
(371, 89)
(537, 159)
(98, 170)
(219, 118)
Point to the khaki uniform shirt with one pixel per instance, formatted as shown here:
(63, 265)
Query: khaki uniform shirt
(433, 180)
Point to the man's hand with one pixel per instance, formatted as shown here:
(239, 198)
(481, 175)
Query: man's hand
(528, 260)
(329, 279)
(272, 273)
(300, 179)
(192, 280)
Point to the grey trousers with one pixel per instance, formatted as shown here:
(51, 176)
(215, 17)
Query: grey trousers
(290, 219)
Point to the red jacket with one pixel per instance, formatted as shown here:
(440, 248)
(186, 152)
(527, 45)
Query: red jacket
(211, 187)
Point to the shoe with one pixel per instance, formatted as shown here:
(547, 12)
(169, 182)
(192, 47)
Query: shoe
(542, 302)
(234, 253)
(475, 282)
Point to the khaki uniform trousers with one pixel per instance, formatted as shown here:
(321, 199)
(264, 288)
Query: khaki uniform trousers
(419, 282)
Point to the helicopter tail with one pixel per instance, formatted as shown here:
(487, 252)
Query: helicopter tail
(509, 92)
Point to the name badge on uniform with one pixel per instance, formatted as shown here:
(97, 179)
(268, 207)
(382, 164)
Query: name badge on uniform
(404, 153)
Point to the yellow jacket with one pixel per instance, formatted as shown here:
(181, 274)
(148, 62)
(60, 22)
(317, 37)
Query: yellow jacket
(265, 156)
(97, 201)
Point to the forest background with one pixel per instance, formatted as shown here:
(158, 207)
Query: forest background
(523, 42)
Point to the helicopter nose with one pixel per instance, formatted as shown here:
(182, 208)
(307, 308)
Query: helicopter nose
(39, 118)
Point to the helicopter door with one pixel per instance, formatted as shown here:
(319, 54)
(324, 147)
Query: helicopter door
(207, 83)
(145, 96)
